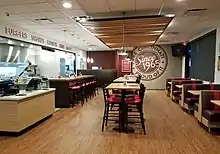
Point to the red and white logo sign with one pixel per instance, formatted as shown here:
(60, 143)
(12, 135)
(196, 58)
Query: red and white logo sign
(150, 62)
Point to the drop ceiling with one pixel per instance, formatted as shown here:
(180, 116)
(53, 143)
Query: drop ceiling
(24, 12)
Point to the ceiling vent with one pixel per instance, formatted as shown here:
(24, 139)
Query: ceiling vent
(44, 21)
(195, 12)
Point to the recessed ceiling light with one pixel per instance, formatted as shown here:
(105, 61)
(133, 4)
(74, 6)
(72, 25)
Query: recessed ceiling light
(90, 49)
(31, 46)
(10, 42)
(170, 15)
(22, 44)
(67, 5)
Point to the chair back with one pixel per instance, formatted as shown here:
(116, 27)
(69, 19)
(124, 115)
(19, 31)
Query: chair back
(105, 93)
(138, 80)
(142, 91)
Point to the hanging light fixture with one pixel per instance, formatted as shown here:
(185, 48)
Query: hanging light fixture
(91, 60)
(88, 60)
(123, 49)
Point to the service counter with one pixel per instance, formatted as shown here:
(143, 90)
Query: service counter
(19, 112)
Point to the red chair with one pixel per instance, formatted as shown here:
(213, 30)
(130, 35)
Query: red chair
(110, 100)
(135, 105)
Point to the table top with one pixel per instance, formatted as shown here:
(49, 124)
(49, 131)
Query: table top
(122, 79)
(216, 102)
(133, 86)
(179, 86)
(195, 92)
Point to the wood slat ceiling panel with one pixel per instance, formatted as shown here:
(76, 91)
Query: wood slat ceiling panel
(136, 32)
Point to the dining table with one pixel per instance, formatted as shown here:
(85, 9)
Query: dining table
(126, 79)
(179, 86)
(216, 102)
(123, 107)
(195, 92)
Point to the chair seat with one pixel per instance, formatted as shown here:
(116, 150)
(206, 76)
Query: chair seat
(132, 100)
(211, 115)
(113, 99)
(132, 96)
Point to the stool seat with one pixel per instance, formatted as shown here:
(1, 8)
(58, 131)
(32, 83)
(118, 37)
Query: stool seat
(113, 99)
(74, 87)
(133, 100)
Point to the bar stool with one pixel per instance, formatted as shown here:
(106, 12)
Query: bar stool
(76, 92)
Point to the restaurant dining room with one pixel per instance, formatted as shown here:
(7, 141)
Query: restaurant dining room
(109, 77)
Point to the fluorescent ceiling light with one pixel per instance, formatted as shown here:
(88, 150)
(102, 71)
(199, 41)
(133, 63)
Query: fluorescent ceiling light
(10, 42)
(16, 56)
(9, 53)
(170, 15)
(67, 5)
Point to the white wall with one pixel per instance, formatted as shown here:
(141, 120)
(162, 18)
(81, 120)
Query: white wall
(183, 66)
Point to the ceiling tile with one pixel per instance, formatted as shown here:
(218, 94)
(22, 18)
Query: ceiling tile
(74, 13)
(30, 8)
(96, 6)
(54, 15)
(63, 20)
(19, 2)
(32, 16)
(121, 5)
(53, 26)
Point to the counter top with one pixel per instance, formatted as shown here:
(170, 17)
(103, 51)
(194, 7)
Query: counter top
(29, 95)
(70, 79)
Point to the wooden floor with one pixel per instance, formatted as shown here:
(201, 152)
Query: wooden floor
(78, 131)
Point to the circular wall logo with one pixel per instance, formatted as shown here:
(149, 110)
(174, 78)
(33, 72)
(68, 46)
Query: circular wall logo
(150, 62)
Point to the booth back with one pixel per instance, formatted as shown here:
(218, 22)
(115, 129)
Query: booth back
(187, 87)
(206, 97)
(104, 76)
(181, 82)
(173, 78)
